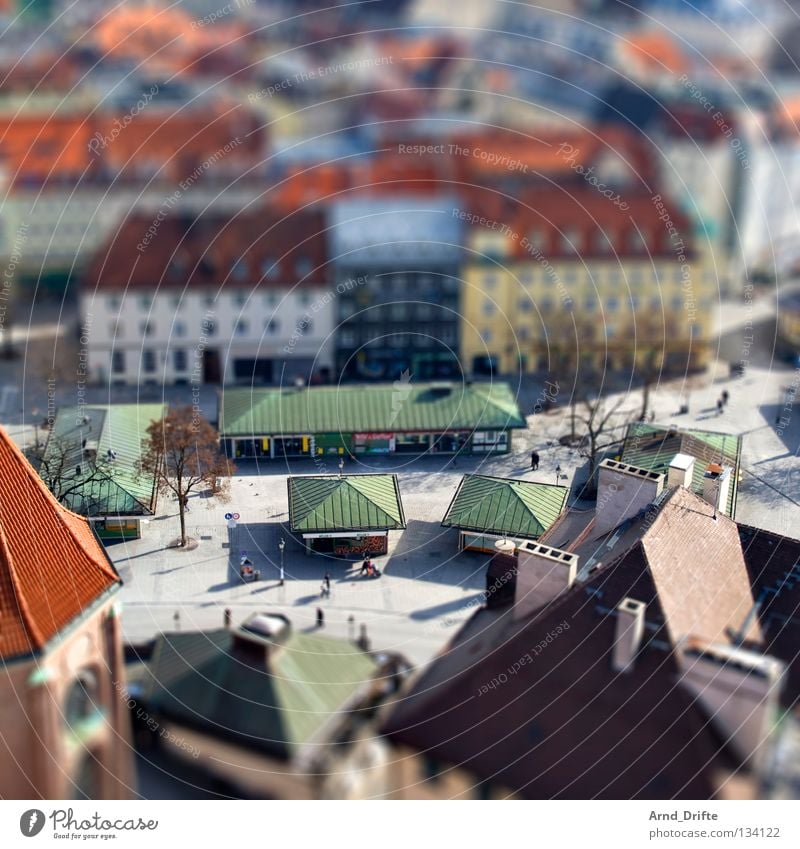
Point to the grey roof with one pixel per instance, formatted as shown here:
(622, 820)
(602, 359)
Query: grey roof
(379, 232)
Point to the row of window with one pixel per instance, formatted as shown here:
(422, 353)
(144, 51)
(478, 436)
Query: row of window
(149, 361)
(240, 298)
(397, 311)
(241, 327)
(446, 336)
(490, 280)
(546, 305)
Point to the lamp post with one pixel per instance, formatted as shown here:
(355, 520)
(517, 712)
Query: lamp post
(281, 546)
(35, 414)
(558, 472)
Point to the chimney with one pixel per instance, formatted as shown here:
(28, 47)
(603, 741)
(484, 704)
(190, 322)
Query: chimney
(543, 573)
(716, 486)
(622, 492)
(738, 690)
(681, 471)
(501, 575)
(628, 635)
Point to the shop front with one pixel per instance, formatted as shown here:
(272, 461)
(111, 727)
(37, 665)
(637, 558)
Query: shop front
(348, 544)
(374, 443)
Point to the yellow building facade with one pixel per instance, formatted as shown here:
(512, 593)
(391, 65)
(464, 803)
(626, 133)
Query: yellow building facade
(522, 311)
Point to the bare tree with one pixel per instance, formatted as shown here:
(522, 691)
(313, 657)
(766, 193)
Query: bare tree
(595, 415)
(70, 474)
(181, 452)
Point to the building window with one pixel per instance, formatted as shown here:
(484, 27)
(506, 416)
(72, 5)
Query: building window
(209, 300)
(489, 307)
(302, 266)
(398, 311)
(305, 326)
(180, 328)
(208, 326)
(348, 338)
(148, 361)
(272, 325)
(489, 281)
(179, 360)
(145, 302)
(113, 302)
(525, 304)
(271, 269)
(175, 301)
(612, 304)
(240, 298)
(242, 327)
(271, 299)
(117, 362)
(117, 330)
(486, 335)
(569, 241)
(305, 299)
(239, 271)
(146, 328)
(81, 698)
(424, 312)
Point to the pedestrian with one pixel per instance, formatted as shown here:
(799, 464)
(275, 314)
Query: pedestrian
(320, 618)
(365, 567)
(719, 406)
(534, 461)
(327, 581)
(725, 396)
(186, 503)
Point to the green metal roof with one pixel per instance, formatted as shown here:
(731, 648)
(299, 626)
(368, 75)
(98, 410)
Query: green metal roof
(372, 408)
(121, 428)
(277, 701)
(651, 447)
(330, 503)
(518, 509)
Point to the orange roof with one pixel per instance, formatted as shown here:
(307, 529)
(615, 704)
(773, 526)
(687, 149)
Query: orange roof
(657, 51)
(52, 567)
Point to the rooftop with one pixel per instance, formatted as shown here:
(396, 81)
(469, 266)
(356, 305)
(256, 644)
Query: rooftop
(330, 503)
(654, 448)
(118, 489)
(564, 724)
(271, 694)
(502, 506)
(52, 567)
(373, 408)
(254, 249)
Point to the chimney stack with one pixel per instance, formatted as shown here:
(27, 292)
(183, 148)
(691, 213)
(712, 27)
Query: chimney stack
(716, 486)
(681, 471)
(622, 492)
(543, 573)
(628, 635)
(738, 690)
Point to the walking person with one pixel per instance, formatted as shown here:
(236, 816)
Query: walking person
(534, 461)
(320, 618)
(719, 406)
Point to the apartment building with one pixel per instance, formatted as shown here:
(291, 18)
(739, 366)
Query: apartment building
(220, 299)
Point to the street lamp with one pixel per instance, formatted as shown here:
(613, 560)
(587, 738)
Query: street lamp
(35, 413)
(558, 472)
(281, 546)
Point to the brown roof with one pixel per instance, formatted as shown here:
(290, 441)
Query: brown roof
(52, 567)
(562, 724)
(251, 249)
(773, 564)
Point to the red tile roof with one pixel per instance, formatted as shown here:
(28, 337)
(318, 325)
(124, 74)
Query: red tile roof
(251, 249)
(52, 567)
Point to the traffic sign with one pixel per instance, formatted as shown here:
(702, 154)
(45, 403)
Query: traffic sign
(236, 517)
(228, 517)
